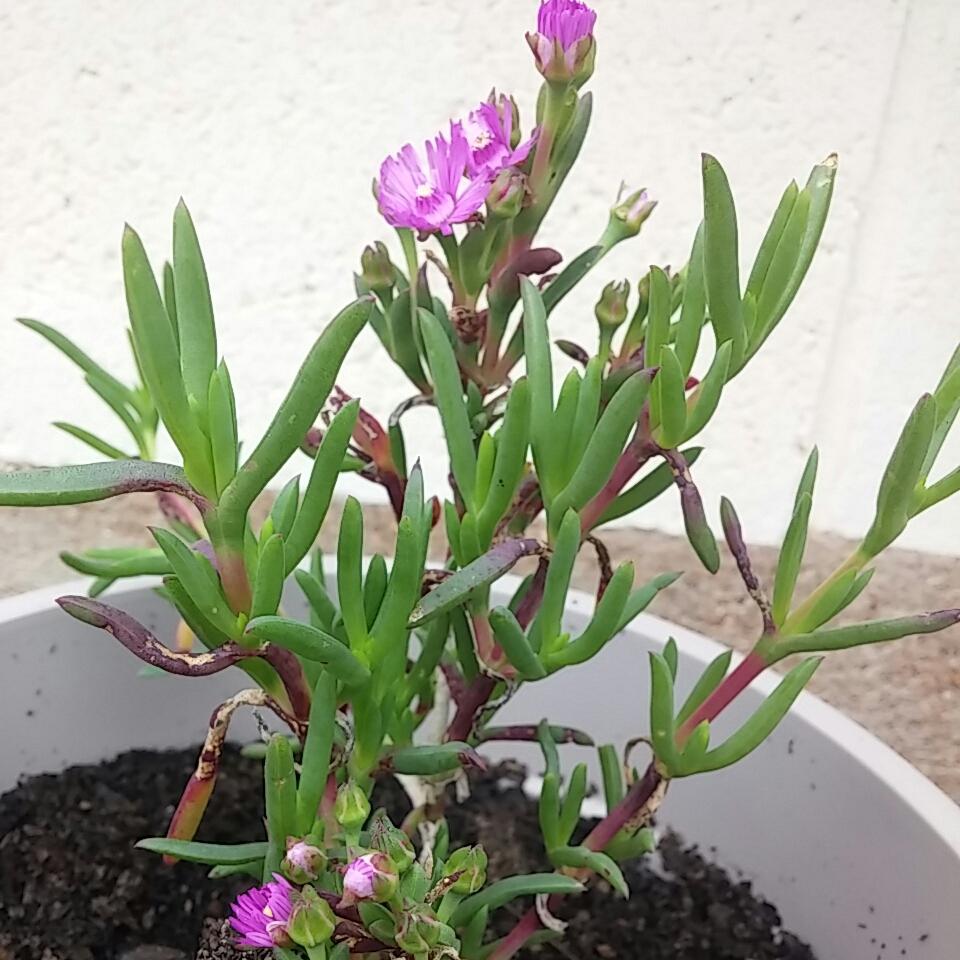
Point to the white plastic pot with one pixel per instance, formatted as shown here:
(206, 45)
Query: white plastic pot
(855, 847)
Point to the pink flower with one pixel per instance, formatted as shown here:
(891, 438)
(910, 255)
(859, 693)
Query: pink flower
(260, 916)
(370, 877)
(565, 20)
(488, 134)
(431, 196)
(563, 44)
(303, 861)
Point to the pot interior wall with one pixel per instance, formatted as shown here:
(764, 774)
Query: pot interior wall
(859, 852)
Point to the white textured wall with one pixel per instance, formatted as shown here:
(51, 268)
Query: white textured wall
(271, 120)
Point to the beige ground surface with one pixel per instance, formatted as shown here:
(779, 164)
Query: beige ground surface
(908, 693)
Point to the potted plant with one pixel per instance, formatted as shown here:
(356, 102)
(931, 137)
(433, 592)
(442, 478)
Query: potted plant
(390, 652)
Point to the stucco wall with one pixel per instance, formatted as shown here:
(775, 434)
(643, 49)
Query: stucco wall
(271, 119)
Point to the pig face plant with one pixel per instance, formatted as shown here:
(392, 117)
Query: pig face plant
(398, 641)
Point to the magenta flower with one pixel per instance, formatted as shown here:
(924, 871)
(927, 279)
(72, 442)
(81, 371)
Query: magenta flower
(488, 132)
(260, 916)
(431, 196)
(303, 861)
(370, 877)
(563, 45)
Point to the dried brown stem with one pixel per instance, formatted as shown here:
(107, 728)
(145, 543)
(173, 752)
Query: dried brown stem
(606, 566)
(433, 577)
(196, 794)
(529, 732)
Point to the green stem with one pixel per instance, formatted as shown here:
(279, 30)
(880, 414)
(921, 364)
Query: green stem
(553, 113)
(856, 561)
(233, 570)
(606, 340)
(413, 266)
(451, 250)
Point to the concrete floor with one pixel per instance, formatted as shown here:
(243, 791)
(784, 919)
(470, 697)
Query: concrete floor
(908, 693)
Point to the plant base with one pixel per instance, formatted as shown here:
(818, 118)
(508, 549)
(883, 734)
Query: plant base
(72, 887)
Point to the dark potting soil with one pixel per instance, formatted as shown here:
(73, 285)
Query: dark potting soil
(73, 888)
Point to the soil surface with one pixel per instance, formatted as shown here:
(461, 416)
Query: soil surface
(73, 888)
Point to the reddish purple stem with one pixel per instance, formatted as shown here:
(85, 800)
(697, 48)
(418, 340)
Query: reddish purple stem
(746, 672)
(455, 681)
(141, 642)
(597, 839)
(476, 695)
(638, 452)
(292, 677)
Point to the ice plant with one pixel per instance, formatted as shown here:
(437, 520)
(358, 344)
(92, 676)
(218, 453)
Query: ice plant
(371, 877)
(260, 915)
(564, 45)
(402, 664)
(488, 131)
(433, 194)
(304, 861)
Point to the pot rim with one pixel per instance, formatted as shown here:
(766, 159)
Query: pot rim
(913, 788)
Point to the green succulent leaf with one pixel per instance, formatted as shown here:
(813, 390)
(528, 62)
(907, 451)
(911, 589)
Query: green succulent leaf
(503, 891)
(897, 499)
(85, 483)
(721, 260)
(599, 863)
(483, 571)
(225, 854)
(763, 722)
(196, 329)
(312, 644)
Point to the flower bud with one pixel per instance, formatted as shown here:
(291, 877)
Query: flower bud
(303, 861)
(507, 194)
(352, 806)
(611, 309)
(370, 877)
(471, 864)
(564, 46)
(377, 272)
(632, 213)
(312, 920)
(418, 932)
(386, 838)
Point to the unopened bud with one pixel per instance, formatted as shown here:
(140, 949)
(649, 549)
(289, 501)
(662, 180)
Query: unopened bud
(611, 309)
(633, 212)
(303, 861)
(312, 920)
(564, 46)
(372, 877)
(471, 864)
(377, 272)
(507, 194)
(626, 218)
(352, 806)
(418, 932)
(386, 838)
